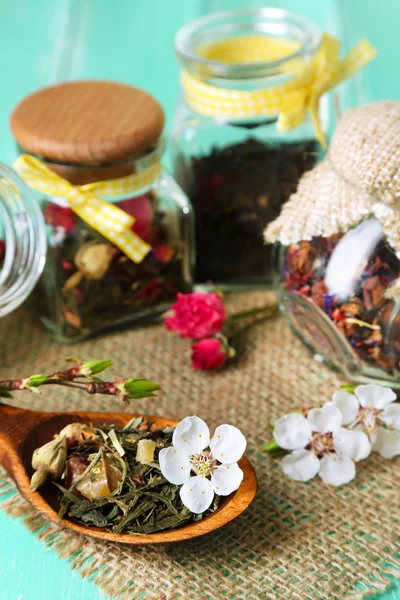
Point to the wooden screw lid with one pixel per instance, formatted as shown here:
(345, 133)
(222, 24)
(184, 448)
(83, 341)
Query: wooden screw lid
(86, 122)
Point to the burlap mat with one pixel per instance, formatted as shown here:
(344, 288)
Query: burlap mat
(297, 541)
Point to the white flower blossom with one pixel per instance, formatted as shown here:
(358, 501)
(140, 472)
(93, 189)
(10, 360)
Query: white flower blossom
(213, 462)
(371, 410)
(320, 444)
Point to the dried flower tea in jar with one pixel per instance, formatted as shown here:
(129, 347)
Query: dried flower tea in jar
(339, 260)
(119, 228)
(247, 129)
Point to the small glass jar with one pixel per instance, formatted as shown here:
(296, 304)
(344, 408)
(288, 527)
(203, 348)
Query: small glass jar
(337, 267)
(358, 333)
(237, 172)
(89, 284)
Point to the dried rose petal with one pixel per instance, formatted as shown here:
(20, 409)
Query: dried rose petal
(60, 216)
(373, 292)
(318, 292)
(142, 209)
(163, 253)
(72, 319)
(76, 466)
(301, 259)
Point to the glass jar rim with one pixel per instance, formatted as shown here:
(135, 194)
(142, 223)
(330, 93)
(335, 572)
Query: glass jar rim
(24, 240)
(275, 22)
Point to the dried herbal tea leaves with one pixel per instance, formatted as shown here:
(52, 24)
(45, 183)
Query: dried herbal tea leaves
(90, 285)
(112, 480)
(368, 319)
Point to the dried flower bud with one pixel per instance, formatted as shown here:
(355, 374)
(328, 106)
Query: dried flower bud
(77, 432)
(145, 451)
(93, 259)
(48, 461)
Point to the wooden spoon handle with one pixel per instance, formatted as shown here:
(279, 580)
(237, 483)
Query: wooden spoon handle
(14, 422)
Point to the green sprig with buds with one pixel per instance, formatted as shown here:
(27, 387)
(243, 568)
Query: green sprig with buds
(84, 376)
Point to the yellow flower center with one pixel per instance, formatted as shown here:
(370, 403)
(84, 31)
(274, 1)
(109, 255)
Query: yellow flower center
(203, 464)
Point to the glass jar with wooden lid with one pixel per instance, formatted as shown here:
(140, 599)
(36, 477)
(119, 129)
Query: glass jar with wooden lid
(118, 226)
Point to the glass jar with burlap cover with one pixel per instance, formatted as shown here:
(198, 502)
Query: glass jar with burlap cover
(338, 269)
(252, 118)
(118, 226)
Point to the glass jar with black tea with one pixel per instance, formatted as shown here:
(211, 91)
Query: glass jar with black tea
(236, 167)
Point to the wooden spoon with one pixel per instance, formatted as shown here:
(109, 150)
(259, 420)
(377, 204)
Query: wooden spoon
(22, 431)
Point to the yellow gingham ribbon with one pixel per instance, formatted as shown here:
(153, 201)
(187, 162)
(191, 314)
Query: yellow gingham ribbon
(109, 220)
(290, 100)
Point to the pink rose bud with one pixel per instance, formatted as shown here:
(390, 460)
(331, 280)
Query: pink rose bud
(208, 353)
(196, 315)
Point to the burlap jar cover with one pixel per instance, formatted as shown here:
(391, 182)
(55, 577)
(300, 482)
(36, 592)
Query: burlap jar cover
(297, 541)
(359, 178)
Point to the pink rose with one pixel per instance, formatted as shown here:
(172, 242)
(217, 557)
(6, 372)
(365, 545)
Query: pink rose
(208, 353)
(196, 315)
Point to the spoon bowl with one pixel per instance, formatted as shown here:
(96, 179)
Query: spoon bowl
(22, 431)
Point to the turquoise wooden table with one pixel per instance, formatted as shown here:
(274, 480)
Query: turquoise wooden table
(45, 41)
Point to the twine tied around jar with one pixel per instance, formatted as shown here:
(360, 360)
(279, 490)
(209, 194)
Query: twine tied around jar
(358, 179)
(291, 100)
(110, 221)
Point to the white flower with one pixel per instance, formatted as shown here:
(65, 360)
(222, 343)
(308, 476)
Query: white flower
(214, 462)
(320, 443)
(371, 409)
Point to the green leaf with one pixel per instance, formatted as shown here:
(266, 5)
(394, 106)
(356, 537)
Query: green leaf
(92, 367)
(74, 359)
(271, 447)
(136, 387)
(32, 383)
(5, 394)
(348, 388)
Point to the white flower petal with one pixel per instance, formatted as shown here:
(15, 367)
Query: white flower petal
(226, 479)
(353, 444)
(337, 469)
(325, 419)
(191, 435)
(348, 405)
(391, 416)
(374, 396)
(228, 444)
(387, 442)
(197, 494)
(292, 432)
(300, 465)
(174, 465)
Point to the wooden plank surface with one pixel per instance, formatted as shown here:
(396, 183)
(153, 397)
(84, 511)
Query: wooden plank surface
(44, 41)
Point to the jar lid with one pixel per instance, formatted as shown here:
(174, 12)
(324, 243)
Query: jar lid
(86, 122)
(359, 178)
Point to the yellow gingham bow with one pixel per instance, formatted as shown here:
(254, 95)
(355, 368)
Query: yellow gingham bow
(290, 100)
(109, 220)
